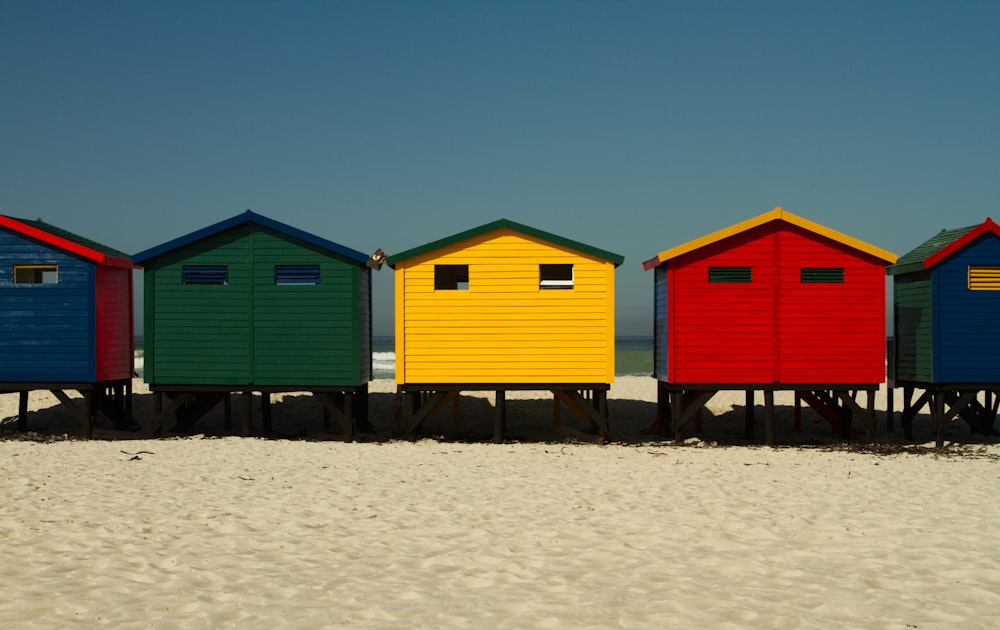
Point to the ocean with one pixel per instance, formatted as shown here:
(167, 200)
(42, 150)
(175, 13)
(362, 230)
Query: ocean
(633, 356)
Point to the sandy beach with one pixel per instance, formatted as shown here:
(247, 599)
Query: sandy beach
(548, 530)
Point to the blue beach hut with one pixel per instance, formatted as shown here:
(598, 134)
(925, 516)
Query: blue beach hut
(946, 301)
(65, 320)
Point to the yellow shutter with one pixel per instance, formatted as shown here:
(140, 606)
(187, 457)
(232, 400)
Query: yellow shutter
(983, 278)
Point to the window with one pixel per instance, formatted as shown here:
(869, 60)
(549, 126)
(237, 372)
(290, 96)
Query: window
(451, 277)
(984, 278)
(555, 276)
(36, 274)
(729, 274)
(205, 274)
(285, 275)
(821, 275)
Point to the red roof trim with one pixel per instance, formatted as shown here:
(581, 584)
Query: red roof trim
(987, 226)
(64, 244)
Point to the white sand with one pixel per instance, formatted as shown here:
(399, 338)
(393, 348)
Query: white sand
(550, 531)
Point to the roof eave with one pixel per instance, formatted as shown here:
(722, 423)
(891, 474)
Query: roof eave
(240, 219)
(501, 224)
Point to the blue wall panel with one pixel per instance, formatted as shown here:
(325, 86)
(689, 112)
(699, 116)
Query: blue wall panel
(660, 338)
(966, 322)
(46, 331)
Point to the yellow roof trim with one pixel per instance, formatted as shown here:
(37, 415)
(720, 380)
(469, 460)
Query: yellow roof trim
(776, 215)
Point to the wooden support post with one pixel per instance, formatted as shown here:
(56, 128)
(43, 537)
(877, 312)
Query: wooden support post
(602, 411)
(748, 421)
(676, 407)
(937, 412)
(798, 412)
(348, 417)
(556, 411)
(499, 421)
(128, 400)
(227, 410)
(907, 413)
(870, 420)
(456, 414)
(265, 410)
(22, 410)
(156, 422)
(89, 412)
(247, 412)
(769, 416)
(890, 417)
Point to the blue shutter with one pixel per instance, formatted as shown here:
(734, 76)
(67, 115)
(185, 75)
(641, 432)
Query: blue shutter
(205, 274)
(296, 274)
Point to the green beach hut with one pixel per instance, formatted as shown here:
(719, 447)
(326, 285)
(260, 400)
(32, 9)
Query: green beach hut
(253, 305)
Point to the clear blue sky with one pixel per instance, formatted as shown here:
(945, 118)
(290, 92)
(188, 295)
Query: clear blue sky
(629, 126)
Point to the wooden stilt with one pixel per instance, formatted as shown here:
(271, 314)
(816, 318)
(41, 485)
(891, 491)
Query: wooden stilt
(769, 417)
(22, 411)
(938, 415)
(748, 422)
(89, 412)
(890, 414)
(798, 412)
(265, 411)
(676, 407)
(227, 410)
(349, 417)
(500, 419)
(247, 412)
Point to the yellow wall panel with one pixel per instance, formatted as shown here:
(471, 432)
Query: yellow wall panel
(505, 328)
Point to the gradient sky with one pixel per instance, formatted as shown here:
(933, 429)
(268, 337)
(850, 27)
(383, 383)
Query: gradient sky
(628, 126)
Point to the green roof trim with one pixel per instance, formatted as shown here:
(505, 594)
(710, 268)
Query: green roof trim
(914, 259)
(501, 225)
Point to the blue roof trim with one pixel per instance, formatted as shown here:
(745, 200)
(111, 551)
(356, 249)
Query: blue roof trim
(259, 219)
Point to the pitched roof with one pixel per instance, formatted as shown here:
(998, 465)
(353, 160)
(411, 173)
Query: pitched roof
(940, 246)
(774, 215)
(504, 224)
(258, 219)
(67, 241)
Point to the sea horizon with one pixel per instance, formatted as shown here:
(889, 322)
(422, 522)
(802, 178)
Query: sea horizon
(633, 355)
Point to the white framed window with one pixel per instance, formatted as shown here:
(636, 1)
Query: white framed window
(451, 277)
(555, 276)
(36, 274)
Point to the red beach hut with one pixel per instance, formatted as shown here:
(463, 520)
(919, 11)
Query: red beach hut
(774, 302)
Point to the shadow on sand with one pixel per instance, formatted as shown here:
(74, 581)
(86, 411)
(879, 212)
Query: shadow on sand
(531, 420)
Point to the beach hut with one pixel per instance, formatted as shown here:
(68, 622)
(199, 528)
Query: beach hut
(65, 321)
(504, 307)
(775, 302)
(946, 302)
(249, 305)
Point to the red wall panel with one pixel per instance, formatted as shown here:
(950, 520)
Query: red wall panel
(114, 323)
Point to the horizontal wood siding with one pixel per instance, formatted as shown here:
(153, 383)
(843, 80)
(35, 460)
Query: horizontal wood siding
(724, 332)
(660, 337)
(308, 334)
(46, 331)
(201, 333)
(829, 332)
(114, 323)
(967, 322)
(505, 328)
(365, 323)
(914, 320)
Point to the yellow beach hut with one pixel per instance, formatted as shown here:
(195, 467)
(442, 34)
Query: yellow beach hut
(504, 307)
